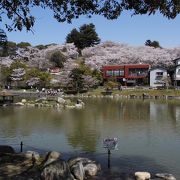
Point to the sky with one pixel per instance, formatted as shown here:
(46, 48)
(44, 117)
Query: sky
(132, 30)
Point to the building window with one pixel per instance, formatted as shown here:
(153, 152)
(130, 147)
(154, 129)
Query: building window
(178, 72)
(121, 72)
(159, 76)
(138, 72)
(159, 73)
(116, 72)
(109, 73)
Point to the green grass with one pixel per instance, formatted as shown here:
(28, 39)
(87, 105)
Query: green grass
(138, 92)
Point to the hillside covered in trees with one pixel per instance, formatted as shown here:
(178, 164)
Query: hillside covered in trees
(110, 53)
(33, 65)
(107, 53)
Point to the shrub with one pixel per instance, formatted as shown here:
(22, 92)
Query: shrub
(23, 44)
(41, 46)
(58, 59)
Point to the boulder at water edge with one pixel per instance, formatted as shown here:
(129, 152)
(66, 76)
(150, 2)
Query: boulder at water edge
(91, 169)
(32, 154)
(51, 157)
(165, 176)
(19, 104)
(57, 170)
(6, 149)
(83, 167)
(142, 175)
(79, 106)
(61, 100)
(24, 101)
(73, 161)
(78, 171)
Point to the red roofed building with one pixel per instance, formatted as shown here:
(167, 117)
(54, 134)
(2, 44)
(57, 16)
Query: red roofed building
(127, 74)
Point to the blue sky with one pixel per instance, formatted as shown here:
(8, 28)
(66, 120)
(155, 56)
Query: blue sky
(126, 29)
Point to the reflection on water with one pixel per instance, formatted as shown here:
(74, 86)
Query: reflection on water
(148, 131)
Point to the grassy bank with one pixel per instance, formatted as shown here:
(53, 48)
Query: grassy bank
(138, 92)
(125, 92)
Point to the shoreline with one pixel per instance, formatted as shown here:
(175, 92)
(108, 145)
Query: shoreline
(134, 92)
(33, 171)
(130, 94)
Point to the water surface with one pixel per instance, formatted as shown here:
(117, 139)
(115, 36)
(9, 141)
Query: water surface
(148, 132)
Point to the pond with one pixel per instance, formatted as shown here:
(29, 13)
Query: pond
(148, 132)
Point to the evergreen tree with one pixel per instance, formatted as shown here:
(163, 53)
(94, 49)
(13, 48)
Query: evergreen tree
(154, 44)
(3, 43)
(85, 37)
(88, 37)
(74, 37)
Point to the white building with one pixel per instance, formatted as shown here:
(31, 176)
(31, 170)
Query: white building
(158, 77)
(177, 72)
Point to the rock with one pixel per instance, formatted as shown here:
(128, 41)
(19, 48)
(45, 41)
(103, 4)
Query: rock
(142, 175)
(41, 99)
(19, 104)
(70, 107)
(73, 161)
(57, 170)
(6, 149)
(91, 169)
(165, 176)
(61, 100)
(32, 154)
(78, 171)
(82, 167)
(51, 157)
(30, 105)
(79, 106)
(24, 101)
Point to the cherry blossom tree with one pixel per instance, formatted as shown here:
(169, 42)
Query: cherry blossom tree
(33, 81)
(17, 75)
(110, 53)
